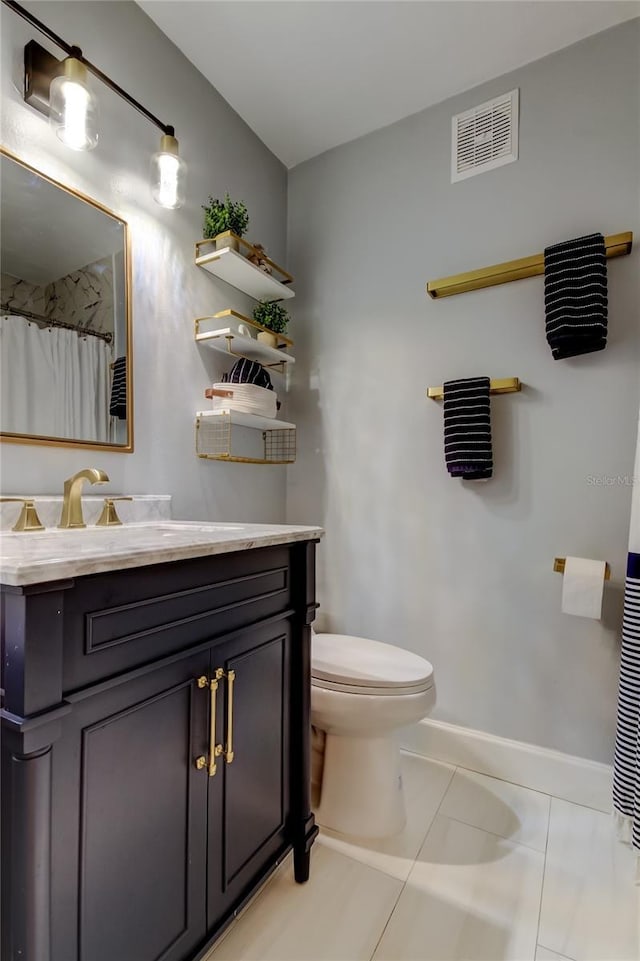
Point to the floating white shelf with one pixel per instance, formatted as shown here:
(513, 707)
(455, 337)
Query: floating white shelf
(236, 270)
(230, 342)
(215, 437)
(240, 419)
(227, 340)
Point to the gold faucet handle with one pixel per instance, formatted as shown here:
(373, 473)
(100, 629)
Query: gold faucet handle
(109, 516)
(28, 520)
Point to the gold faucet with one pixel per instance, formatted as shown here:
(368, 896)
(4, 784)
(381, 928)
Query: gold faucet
(72, 501)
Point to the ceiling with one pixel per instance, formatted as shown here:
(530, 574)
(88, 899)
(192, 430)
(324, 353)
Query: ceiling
(307, 75)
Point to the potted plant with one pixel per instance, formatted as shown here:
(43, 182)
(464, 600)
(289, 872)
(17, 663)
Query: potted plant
(223, 215)
(270, 314)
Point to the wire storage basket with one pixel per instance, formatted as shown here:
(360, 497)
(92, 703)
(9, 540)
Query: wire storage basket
(279, 446)
(222, 435)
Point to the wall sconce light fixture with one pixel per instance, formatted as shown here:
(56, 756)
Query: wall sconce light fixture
(60, 90)
(73, 109)
(168, 174)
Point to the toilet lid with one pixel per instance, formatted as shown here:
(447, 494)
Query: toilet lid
(359, 662)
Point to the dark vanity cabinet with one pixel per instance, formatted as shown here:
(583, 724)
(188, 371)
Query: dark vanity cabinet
(155, 753)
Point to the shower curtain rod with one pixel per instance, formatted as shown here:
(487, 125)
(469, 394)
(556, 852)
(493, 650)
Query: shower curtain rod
(40, 318)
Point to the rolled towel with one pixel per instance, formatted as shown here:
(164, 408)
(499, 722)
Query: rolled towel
(118, 402)
(575, 296)
(467, 428)
(246, 371)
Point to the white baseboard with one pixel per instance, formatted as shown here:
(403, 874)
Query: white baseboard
(539, 768)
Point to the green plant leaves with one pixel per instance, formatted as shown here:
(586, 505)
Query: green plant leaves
(272, 315)
(222, 215)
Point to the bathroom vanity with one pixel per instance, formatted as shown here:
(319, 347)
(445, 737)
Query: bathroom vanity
(155, 733)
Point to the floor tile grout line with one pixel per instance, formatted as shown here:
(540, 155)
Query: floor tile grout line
(501, 837)
(544, 873)
(587, 807)
(415, 860)
(380, 870)
(435, 814)
(538, 945)
(403, 885)
(505, 780)
(493, 834)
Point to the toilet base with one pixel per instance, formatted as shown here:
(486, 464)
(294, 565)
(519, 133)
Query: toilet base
(362, 793)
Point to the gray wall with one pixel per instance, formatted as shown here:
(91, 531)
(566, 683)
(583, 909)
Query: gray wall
(462, 573)
(169, 290)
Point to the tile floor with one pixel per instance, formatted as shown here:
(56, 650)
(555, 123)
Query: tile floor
(484, 870)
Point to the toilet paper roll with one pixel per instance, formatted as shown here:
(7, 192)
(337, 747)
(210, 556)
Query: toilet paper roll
(582, 587)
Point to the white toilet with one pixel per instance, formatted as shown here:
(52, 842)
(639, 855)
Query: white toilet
(362, 691)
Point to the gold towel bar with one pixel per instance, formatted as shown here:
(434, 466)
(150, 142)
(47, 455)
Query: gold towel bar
(505, 385)
(617, 245)
(559, 562)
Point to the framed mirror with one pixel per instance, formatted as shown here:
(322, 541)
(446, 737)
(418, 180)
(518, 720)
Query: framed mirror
(66, 367)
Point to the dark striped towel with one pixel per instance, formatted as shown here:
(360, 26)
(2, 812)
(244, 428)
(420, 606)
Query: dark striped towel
(626, 770)
(118, 405)
(246, 371)
(575, 296)
(467, 428)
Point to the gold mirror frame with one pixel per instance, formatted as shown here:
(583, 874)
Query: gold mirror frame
(35, 439)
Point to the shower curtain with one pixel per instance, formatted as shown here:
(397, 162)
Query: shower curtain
(626, 772)
(53, 382)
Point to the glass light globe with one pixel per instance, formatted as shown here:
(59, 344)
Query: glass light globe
(168, 174)
(73, 110)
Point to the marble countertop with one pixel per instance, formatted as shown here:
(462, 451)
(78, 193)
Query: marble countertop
(36, 557)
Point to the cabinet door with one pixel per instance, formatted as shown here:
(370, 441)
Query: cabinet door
(129, 815)
(249, 795)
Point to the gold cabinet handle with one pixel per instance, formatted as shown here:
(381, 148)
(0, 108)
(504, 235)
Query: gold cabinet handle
(215, 750)
(228, 753)
(201, 762)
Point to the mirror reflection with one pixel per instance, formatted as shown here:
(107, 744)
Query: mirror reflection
(64, 324)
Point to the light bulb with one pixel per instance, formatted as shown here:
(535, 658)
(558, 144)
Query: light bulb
(168, 174)
(73, 110)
